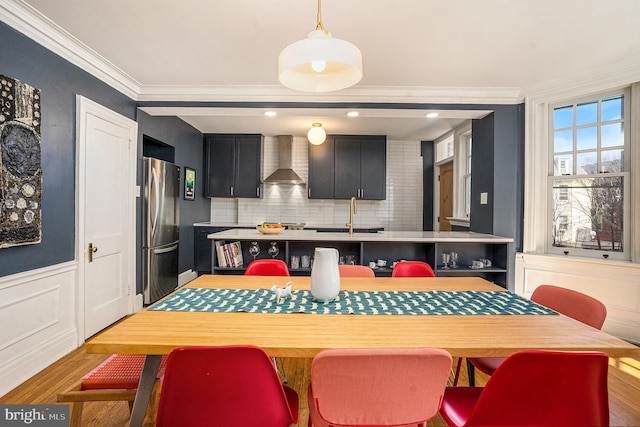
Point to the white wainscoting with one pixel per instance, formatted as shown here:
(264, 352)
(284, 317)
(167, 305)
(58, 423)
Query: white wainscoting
(616, 284)
(37, 314)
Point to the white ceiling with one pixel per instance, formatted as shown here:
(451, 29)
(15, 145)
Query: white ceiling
(228, 50)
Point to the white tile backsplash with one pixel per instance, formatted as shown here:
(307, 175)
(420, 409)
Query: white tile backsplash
(402, 210)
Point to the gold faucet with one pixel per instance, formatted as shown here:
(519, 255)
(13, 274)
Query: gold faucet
(352, 211)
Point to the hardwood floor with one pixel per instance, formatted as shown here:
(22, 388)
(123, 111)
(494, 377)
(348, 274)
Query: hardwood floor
(624, 390)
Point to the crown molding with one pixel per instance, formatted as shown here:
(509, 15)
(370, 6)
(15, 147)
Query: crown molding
(606, 77)
(373, 94)
(28, 21)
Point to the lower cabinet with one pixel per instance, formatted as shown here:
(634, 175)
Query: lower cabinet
(363, 253)
(202, 248)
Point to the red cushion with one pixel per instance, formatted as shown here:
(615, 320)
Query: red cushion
(120, 371)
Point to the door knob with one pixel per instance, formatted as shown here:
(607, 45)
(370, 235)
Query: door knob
(92, 250)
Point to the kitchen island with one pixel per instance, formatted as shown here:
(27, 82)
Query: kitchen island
(388, 246)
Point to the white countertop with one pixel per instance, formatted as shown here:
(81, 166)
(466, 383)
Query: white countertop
(214, 224)
(381, 236)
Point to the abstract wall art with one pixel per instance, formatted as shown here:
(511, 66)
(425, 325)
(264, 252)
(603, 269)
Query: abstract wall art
(20, 164)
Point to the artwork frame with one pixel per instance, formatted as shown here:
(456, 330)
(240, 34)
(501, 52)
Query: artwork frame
(189, 183)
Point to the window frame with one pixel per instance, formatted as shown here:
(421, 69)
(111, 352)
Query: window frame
(628, 220)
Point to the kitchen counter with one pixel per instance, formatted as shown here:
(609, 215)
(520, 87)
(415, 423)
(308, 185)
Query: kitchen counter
(381, 236)
(385, 246)
(306, 226)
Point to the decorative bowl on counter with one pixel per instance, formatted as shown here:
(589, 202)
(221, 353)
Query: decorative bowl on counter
(270, 228)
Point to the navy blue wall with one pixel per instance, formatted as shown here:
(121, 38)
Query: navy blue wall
(482, 175)
(497, 168)
(187, 142)
(59, 82)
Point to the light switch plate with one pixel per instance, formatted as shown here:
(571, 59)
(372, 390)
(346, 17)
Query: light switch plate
(483, 198)
(137, 191)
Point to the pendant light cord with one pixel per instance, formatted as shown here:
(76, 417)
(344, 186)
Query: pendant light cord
(319, 25)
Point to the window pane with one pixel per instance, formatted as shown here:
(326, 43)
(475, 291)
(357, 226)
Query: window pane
(563, 141)
(587, 138)
(563, 165)
(612, 135)
(467, 195)
(612, 108)
(587, 163)
(611, 161)
(563, 117)
(591, 216)
(587, 113)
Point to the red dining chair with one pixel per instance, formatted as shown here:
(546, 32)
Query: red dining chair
(267, 267)
(224, 386)
(535, 388)
(571, 303)
(355, 271)
(377, 387)
(412, 269)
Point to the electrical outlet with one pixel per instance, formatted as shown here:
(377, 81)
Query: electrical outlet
(483, 198)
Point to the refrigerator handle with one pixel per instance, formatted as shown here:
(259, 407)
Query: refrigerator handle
(155, 204)
(165, 250)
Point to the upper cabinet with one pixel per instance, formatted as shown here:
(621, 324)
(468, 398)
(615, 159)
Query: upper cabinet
(321, 170)
(232, 165)
(348, 166)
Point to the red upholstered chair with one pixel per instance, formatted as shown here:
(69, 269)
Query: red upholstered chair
(114, 379)
(574, 304)
(355, 271)
(412, 269)
(377, 387)
(224, 386)
(535, 388)
(267, 267)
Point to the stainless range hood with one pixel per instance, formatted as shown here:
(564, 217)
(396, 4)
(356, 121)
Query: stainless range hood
(284, 174)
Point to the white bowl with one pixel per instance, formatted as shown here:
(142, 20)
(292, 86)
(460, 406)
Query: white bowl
(269, 230)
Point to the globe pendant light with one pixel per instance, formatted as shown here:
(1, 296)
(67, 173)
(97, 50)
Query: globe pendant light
(320, 63)
(316, 134)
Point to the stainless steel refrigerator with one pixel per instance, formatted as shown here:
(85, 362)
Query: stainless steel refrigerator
(160, 226)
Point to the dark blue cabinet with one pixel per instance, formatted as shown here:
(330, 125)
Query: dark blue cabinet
(346, 166)
(233, 165)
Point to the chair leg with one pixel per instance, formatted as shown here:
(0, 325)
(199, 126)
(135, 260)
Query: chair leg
(456, 374)
(280, 371)
(76, 414)
(471, 372)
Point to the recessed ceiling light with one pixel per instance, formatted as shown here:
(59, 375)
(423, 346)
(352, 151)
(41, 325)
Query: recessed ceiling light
(270, 113)
(353, 114)
(431, 115)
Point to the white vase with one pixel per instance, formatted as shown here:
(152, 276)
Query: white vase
(325, 276)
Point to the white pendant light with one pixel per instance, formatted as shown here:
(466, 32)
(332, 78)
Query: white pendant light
(320, 63)
(316, 134)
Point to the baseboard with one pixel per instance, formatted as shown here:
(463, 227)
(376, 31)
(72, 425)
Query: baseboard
(186, 276)
(138, 303)
(20, 369)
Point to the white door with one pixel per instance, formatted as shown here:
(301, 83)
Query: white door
(106, 229)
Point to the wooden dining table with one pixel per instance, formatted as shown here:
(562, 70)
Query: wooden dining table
(155, 333)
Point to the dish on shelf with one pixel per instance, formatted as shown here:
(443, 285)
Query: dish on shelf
(270, 230)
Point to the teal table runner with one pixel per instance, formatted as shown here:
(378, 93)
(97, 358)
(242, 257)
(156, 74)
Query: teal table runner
(351, 302)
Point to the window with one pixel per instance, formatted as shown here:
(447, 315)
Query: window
(466, 143)
(588, 176)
